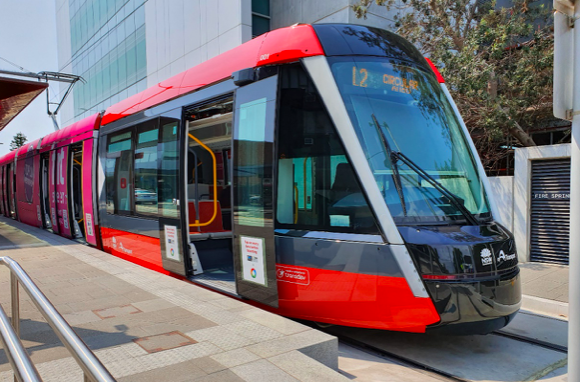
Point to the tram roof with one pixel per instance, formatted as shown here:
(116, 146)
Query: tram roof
(78, 128)
(15, 95)
(25, 147)
(275, 47)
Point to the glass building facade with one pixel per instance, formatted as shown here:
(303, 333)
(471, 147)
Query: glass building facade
(108, 49)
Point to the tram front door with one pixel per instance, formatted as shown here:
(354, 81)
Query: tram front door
(253, 185)
(173, 236)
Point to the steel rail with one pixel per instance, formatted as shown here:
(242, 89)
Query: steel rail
(92, 368)
(531, 341)
(402, 360)
(23, 368)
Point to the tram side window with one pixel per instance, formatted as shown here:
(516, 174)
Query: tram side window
(317, 187)
(146, 169)
(119, 173)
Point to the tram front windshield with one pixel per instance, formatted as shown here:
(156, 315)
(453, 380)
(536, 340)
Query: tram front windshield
(394, 106)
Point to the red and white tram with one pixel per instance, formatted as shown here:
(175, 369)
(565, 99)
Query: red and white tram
(322, 171)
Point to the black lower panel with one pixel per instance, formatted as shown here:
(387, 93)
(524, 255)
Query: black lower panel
(476, 307)
(215, 253)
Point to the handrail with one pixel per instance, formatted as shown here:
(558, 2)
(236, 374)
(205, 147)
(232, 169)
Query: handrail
(19, 359)
(215, 200)
(93, 368)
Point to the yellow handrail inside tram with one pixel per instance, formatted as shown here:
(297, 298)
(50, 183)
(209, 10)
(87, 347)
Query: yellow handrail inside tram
(215, 201)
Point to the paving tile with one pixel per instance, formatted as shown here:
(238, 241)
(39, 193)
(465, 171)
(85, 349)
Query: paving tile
(116, 311)
(209, 365)
(235, 357)
(221, 376)
(181, 372)
(278, 323)
(305, 368)
(262, 371)
(81, 317)
(285, 344)
(224, 338)
(165, 341)
(153, 305)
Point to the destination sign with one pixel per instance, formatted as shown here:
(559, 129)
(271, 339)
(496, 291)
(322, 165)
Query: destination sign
(364, 77)
(551, 195)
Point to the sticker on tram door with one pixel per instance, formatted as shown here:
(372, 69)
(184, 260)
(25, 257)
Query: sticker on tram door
(253, 260)
(89, 221)
(171, 249)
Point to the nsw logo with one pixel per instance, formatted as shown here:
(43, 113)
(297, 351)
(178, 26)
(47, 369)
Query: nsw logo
(486, 257)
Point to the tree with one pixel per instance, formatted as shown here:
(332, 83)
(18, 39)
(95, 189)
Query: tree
(18, 141)
(497, 63)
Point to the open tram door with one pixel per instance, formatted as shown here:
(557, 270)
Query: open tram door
(173, 235)
(253, 191)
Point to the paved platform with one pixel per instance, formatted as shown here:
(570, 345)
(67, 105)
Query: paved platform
(545, 288)
(145, 326)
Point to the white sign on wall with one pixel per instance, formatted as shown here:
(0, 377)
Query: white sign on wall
(171, 247)
(253, 260)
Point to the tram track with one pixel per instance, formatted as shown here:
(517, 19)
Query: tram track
(402, 360)
(444, 358)
(532, 341)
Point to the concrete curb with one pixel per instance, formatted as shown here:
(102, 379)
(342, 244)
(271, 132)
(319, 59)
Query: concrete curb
(544, 306)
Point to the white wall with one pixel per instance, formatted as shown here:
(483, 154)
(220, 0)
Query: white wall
(502, 188)
(183, 33)
(523, 190)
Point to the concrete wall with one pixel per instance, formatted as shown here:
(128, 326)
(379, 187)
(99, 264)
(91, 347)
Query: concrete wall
(502, 188)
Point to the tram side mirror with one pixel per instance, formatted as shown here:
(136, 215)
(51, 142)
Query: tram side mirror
(244, 77)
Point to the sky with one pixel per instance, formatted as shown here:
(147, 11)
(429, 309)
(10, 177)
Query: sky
(28, 39)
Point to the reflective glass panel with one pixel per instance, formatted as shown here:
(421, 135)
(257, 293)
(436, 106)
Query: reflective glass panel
(394, 106)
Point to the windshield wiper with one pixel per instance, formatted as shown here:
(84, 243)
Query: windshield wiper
(396, 175)
(397, 155)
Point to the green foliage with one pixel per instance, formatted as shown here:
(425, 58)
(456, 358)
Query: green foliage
(497, 62)
(18, 141)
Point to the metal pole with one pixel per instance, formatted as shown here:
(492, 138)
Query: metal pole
(574, 270)
(15, 303)
(15, 307)
(22, 366)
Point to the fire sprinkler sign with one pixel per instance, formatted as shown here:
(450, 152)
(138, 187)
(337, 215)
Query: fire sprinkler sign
(253, 260)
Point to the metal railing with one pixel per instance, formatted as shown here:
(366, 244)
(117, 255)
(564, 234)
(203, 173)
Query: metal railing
(24, 369)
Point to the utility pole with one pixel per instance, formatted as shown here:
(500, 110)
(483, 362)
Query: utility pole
(567, 106)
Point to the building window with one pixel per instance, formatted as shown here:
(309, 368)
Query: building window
(260, 17)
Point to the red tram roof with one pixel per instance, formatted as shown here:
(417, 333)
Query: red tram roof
(71, 131)
(24, 148)
(15, 95)
(276, 47)
(8, 158)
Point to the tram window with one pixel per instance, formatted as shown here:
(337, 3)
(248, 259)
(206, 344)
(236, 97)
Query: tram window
(146, 169)
(169, 169)
(119, 173)
(317, 187)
